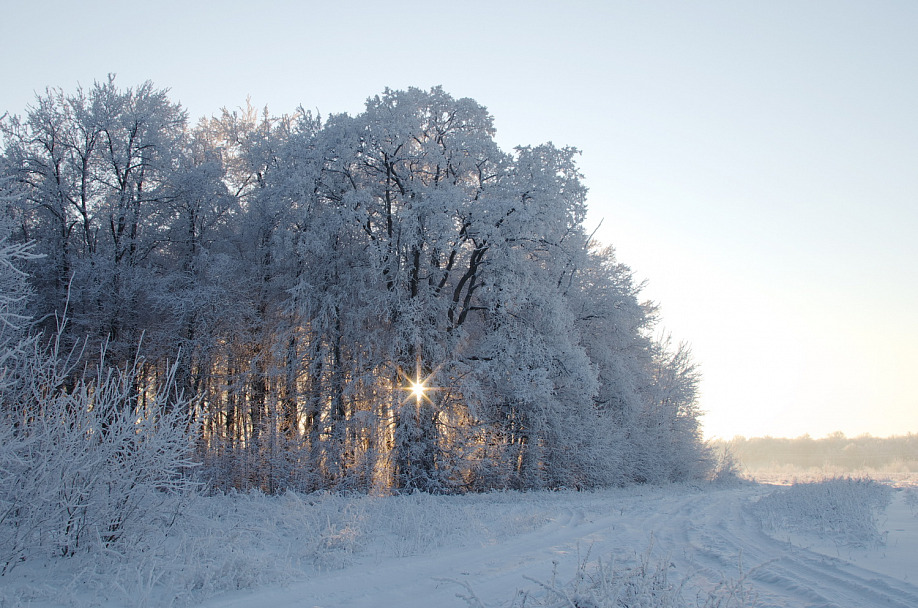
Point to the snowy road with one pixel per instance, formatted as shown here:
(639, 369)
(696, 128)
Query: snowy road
(707, 538)
(712, 535)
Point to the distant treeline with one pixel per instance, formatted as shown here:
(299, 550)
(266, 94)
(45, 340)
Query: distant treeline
(836, 451)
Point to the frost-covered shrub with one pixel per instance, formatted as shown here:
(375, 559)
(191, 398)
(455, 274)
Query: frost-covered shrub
(843, 510)
(725, 468)
(603, 585)
(86, 462)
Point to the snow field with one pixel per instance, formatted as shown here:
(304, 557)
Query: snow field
(244, 541)
(642, 546)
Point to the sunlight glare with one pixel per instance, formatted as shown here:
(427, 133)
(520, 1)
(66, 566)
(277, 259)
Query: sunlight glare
(418, 390)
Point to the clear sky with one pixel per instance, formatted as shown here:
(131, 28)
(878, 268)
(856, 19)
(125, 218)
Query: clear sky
(755, 162)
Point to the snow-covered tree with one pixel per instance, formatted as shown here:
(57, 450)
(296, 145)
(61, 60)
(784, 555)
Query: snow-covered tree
(299, 275)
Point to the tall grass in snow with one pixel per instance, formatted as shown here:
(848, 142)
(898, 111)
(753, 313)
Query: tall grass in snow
(844, 510)
(644, 582)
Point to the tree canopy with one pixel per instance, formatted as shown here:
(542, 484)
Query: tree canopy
(294, 275)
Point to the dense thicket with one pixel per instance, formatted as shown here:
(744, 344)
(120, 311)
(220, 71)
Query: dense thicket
(293, 275)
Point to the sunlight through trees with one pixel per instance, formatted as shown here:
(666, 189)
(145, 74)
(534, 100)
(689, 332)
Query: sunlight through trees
(283, 271)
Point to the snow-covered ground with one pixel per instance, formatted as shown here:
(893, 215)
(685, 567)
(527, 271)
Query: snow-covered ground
(677, 545)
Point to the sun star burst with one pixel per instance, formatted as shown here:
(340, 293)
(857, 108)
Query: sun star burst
(418, 386)
(418, 390)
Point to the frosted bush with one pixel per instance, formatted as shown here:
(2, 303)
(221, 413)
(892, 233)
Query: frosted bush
(843, 510)
(725, 468)
(82, 465)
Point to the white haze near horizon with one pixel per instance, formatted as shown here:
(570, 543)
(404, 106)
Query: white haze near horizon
(756, 163)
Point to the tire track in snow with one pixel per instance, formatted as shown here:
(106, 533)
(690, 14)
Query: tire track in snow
(704, 534)
(494, 570)
(715, 534)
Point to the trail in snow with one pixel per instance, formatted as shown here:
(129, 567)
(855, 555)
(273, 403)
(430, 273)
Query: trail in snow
(713, 534)
(707, 536)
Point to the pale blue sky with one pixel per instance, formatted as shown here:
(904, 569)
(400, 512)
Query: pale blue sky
(756, 162)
